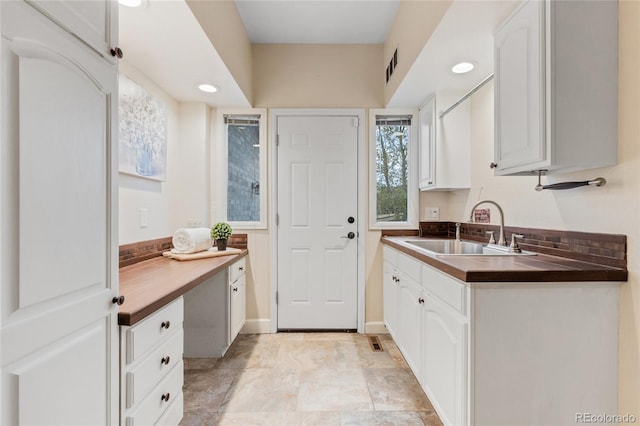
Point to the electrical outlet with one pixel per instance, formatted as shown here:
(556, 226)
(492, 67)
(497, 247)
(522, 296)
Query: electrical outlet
(432, 213)
(143, 218)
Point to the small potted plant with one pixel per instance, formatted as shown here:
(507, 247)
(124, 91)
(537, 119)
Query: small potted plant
(220, 232)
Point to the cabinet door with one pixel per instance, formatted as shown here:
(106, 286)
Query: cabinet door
(519, 91)
(58, 243)
(95, 22)
(238, 296)
(444, 362)
(410, 334)
(427, 144)
(390, 298)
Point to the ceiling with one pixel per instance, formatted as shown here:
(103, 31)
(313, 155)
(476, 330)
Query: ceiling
(317, 21)
(164, 41)
(465, 33)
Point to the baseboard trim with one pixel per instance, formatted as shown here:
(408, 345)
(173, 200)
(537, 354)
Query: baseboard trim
(256, 326)
(375, 327)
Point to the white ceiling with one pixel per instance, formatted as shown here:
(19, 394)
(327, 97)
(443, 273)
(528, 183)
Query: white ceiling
(464, 34)
(164, 41)
(317, 21)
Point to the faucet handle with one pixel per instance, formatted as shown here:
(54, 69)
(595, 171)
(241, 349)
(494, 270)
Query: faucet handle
(492, 239)
(514, 247)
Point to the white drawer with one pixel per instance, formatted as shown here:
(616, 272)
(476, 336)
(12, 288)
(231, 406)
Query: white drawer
(173, 415)
(390, 255)
(153, 407)
(410, 267)
(153, 368)
(237, 269)
(449, 290)
(148, 332)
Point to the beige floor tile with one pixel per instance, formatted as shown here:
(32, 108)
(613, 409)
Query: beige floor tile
(199, 363)
(396, 389)
(333, 390)
(248, 353)
(382, 418)
(263, 389)
(305, 379)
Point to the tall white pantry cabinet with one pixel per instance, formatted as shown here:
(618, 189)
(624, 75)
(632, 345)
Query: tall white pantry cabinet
(58, 221)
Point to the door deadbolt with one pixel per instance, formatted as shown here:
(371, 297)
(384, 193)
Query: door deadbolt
(351, 219)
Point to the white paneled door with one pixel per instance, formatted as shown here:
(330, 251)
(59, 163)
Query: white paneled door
(317, 222)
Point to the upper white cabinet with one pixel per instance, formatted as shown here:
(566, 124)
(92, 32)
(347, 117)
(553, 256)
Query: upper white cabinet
(556, 69)
(445, 144)
(95, 22)
(59, 244)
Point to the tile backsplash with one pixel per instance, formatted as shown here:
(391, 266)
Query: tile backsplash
(603, 249)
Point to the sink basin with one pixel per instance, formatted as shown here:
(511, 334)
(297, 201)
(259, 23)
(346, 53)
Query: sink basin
(463, 248)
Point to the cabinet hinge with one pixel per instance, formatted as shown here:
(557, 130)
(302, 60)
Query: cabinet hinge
(356, 122)
(277, 298)
(277, 219)
(277, 140)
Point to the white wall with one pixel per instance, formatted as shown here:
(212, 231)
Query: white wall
(139, 193)
(183, 199)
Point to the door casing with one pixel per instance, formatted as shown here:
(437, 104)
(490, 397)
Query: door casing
(273, 197)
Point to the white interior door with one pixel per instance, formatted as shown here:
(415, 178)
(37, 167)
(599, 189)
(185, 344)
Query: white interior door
(58, 244)
(317, 222)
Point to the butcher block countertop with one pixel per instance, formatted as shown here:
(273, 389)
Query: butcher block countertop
(149, 285)
(538, 268)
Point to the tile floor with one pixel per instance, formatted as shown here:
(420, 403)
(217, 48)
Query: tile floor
(305, 379)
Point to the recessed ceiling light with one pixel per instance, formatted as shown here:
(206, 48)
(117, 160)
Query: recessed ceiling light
(462, 67)
(209, 88)
(130, 3)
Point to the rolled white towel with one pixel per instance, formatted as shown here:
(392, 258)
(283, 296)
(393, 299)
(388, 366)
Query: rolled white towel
(191, 240)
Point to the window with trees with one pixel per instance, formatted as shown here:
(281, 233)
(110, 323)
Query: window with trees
(393, 193)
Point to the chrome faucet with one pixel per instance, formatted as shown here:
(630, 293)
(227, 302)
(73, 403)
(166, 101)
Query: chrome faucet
(501, 240)
(458, 231)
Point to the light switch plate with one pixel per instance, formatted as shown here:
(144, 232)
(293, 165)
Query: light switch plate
(143, 218)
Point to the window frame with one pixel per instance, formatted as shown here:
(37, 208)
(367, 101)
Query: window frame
(220, 169)
(412, 178)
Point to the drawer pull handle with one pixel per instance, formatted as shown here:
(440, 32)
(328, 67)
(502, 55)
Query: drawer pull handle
(235, 289)
(165, 324)
(118, 300)
(165, 397)
(165, 360)
(241, 268)
(420, 300)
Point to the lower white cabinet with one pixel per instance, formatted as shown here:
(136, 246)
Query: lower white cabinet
(152, 368)
(390, 291)
(444, 360)
(238, 298)
(410, 300)
(504, 353)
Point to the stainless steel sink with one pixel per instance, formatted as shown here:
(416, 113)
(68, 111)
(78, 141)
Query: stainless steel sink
(463, 248)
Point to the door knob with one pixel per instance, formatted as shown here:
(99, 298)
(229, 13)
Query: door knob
(118, 300)
(350, 236)
(116, 52)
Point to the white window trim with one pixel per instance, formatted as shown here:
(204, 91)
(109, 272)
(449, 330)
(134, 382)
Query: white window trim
(412, 184)
(219, 167)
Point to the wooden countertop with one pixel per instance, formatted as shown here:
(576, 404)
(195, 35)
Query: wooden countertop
(538, 268)
(149, 285)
